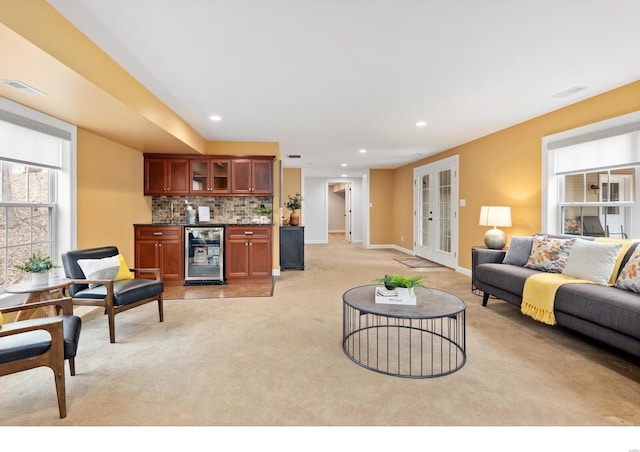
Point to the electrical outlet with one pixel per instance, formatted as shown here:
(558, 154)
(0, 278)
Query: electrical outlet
(402, 238)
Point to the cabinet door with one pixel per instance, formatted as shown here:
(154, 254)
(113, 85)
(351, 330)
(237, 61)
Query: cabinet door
(155, 176)
(220, 176)
(171, 259)
(200, 175)
(262, 177)
(178, 181)
(260, 257)
(237, 258)
(146, 256)
(241, 176)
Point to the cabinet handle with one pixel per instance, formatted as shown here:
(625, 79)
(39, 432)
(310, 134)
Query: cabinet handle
(157, 233)
(248, 232)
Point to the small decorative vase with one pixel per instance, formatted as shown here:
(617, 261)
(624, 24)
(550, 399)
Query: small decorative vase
(294, 218)
(38, 279)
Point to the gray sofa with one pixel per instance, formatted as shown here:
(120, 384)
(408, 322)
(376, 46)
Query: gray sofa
(608, 314)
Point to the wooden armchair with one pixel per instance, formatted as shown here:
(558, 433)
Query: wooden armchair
(47, 341)
(113, 295)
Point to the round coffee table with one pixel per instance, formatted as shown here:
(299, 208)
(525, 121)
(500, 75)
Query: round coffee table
(424, 340)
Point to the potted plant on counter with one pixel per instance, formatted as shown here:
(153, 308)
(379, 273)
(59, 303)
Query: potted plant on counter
(39, 267)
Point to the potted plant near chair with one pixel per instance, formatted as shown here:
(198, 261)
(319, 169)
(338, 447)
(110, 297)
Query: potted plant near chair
(39, 267)
(294, 203)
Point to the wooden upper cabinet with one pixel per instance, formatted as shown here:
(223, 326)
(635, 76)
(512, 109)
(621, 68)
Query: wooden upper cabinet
(203, 175)
(252, 177)
(166, 176)
(210, 176)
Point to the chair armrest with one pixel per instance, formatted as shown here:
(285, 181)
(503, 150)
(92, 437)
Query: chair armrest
(65, 303)
(52, 325)
(155, 271)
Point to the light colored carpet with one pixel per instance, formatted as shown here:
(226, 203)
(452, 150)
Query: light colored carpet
(278, 361)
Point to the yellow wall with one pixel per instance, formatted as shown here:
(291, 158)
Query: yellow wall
(110, 199)
(291, 184)
(505, 168)
(382, 210)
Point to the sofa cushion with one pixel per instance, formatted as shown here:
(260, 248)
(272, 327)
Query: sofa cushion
(610, 307)
(594, 261)
(507, 277)
(549, 254)
(519, 251)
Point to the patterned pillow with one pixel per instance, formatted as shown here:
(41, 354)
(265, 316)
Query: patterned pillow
(629, 277)
(549, 254)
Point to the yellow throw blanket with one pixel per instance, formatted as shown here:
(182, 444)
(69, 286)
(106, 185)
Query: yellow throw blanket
(539, 293)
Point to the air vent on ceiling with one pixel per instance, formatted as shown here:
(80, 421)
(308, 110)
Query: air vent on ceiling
(294, 156)
(570, 91)
(17, 84)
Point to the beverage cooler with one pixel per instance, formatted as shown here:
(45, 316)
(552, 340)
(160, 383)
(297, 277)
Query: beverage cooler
(204, 255)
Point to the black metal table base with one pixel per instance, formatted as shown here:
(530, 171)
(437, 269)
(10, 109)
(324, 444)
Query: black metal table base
(404, 347)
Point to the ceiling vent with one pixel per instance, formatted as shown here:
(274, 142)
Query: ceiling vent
(570, 91)
(294, 156)
(17, 84)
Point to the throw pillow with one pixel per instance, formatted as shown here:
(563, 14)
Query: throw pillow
(123, 270)
(549, 254)
(629, 278)
(519, 251)
(105, 268)
(594, 261)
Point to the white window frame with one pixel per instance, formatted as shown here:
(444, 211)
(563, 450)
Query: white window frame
(65, 217)
(551, 221)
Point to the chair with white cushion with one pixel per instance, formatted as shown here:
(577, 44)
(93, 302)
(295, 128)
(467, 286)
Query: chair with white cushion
(101, 278)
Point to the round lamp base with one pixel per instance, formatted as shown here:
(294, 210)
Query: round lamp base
(495, 239)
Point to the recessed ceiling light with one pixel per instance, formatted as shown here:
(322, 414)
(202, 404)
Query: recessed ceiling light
(343, 164)
(363, 151)
(421, 123)
(215, 118)
(345, 175)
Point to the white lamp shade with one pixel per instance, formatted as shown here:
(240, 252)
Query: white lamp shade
(495, 216)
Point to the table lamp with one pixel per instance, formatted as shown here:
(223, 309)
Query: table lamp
(495, 216)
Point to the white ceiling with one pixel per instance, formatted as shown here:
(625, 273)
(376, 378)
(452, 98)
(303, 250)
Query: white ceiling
(325, 78)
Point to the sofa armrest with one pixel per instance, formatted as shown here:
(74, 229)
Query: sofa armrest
(487, 256)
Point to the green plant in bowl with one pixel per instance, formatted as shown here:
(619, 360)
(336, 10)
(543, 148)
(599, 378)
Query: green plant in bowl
(394, 281)
(37, 264)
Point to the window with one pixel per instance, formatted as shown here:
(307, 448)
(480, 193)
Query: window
(27, 206)
(37, 189)
(598, 203)
(591, 175)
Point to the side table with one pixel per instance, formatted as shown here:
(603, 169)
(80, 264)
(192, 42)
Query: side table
(39, 292)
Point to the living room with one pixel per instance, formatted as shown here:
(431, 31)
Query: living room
(110, 178)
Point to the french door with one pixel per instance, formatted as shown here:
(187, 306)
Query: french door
(436, 212)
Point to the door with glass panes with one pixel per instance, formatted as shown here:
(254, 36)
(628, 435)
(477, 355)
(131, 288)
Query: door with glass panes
(436, 212)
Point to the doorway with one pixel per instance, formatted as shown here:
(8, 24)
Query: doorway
(436, 212)
(339, 202)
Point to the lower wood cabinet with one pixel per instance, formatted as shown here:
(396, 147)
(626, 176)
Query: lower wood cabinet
(161, 247)
(248, 254)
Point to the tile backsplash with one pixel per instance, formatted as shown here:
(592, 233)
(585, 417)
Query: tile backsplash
(224, 209)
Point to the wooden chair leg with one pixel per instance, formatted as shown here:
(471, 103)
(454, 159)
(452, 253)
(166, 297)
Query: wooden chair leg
(160, 308)
(60, 391)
